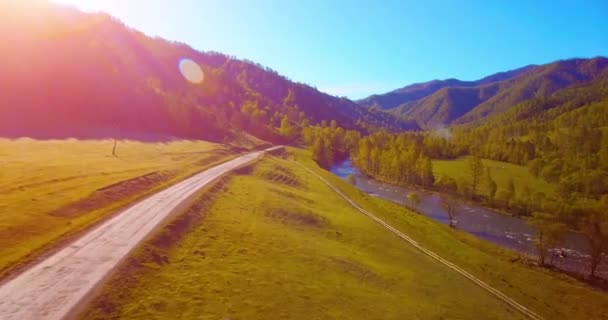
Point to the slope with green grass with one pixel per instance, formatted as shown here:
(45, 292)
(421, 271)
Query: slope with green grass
(273, 241)
(50, 189)
(501, 173)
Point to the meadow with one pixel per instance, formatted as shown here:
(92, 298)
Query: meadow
(272, 241)
(501, 173)
(50, 190)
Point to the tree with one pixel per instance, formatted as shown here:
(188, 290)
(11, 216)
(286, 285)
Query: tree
(509, 193)
(238, 120)
(351, 179)
(525, 199)
(286, 130)
(318, 152)
(549, 230)
(475, 172)
(413, 199)
(491, 185)
(446, 184)
(426, 172)
(464, 188)
(450, 205)
(593, 223)
(535, 166)
(114, 148)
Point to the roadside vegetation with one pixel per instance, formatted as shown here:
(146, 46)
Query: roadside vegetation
(51, 189)
(557, 170)
(551, 294)
(272, 239)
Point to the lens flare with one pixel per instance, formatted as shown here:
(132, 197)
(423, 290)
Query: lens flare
(191, 71)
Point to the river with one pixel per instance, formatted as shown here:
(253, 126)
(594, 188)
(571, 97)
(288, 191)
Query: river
(499, 228)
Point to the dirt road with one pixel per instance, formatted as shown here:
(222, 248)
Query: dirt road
(53, 288)
(514, 304)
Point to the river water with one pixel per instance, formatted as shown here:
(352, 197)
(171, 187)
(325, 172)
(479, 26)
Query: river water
(499, 228)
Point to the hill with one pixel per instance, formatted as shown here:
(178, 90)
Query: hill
(70, 74)
(439, 103)
(229, 261)
(418, 91)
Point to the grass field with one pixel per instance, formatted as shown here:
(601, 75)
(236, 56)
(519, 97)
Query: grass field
(501, 173)
(49, 189)
(274, 242)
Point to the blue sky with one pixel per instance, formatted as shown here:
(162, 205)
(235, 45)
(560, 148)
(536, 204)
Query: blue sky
(357, 48)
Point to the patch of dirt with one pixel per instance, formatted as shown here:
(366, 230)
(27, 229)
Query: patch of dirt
(113, 193)
(297, 218)
(291, 195)
(23, 187)
(282, 175)
(244, 171)
(358, 271)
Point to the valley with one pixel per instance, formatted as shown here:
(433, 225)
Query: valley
(234, 260)
(379, 160)
(498, 227)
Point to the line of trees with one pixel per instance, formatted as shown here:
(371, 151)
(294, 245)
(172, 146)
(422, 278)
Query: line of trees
(329, 143)
(394, 158)
(573, 158)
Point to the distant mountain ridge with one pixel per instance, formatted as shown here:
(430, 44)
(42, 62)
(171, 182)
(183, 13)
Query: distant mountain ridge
(64, 73)
(444, 102)
(417, 91)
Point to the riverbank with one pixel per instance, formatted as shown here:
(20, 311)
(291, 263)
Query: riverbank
(275, 240)
(490, 225)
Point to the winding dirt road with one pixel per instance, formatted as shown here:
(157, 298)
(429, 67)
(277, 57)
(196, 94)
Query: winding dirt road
(54, 288)
(514, 304)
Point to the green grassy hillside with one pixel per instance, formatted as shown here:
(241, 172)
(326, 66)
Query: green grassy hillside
(501, 173)
(272, 241)
(49, 189)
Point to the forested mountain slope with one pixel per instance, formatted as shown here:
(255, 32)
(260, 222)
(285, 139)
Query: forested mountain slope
(418, 91)
(64, 73)
(562, 137)
(440, 103)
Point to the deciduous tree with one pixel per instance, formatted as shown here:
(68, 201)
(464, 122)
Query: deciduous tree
(475, 167)
(549, 233)
(413, 199)
(450, 205)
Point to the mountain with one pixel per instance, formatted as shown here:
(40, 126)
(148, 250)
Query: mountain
(65, 73)
(440, 103)
(417, 91)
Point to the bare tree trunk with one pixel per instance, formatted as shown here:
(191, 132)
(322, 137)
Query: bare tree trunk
(451, 218)
(596, 258)
(541, 248)
(114, 149)
(597, 247)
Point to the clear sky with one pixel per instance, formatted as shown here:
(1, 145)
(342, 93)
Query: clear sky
(357, 48)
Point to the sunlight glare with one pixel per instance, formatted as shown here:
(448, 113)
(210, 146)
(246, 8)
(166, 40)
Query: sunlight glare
(191, 71)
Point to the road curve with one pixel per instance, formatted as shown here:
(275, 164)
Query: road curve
(53, 288)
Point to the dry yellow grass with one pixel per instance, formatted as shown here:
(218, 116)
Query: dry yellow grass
(272, 241)
(49, 189)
